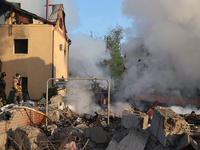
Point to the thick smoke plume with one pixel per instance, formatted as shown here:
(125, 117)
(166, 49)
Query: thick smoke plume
(80, 98)
(85, 55)
(165, 35)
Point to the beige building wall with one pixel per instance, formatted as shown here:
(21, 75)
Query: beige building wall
(60, 56)
(37, 64)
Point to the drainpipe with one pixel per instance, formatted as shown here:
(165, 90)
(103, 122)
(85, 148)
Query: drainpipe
(10, 26)
(47, 9)
(53, 55)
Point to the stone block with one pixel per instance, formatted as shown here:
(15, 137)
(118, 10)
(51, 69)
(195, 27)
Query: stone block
(152, 144)
(184, 141)
(134, 140)
(98, 137)
(53, 114)
(120, 135)
(148, 147)
(27, 137)
(132, 118)
(153, 138)
(161, 147)
(167, 126)
(3, 140)
(56, 100)
(96, 134)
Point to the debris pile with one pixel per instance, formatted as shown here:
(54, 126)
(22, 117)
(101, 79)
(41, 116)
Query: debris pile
(159, 128)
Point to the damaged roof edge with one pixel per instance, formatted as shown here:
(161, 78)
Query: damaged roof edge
(56, 9)
(26, 12)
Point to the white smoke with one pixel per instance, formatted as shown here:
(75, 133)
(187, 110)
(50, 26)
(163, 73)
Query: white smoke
(85, 55)
(80, 98)
(166, 38)
(185, 110)
(118, 108)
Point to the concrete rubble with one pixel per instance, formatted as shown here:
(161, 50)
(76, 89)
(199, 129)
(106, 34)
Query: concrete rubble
(159, 128)
(167, 126)
(28, 138)
(132, 118)
(134, 140)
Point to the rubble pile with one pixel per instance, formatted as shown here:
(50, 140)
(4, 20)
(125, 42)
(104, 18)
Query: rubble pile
(159, 128)
(167, 126)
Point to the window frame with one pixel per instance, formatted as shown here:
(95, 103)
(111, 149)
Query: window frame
(23, 41)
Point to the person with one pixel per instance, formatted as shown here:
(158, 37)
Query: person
(17, 87)
(2, 89)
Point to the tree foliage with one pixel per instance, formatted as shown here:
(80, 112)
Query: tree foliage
(114, 45)
(51, 92)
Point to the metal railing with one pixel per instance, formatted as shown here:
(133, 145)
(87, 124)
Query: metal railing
(108, 109)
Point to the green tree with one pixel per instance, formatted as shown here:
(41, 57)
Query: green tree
(113, 40)
(114, 45)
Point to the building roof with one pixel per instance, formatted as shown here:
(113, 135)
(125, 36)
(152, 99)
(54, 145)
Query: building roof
(26, 12)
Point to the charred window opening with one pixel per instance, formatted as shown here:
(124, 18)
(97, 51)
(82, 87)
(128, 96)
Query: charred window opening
(7, 115)
(65, 52)
(21, 46)
(23, 18)
(61, 23)
(24, 83)
(69, 41)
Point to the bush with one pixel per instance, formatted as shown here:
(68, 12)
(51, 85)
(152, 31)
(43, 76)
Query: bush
(51, 92)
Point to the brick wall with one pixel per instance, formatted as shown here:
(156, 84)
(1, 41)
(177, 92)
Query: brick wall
(23, 18)
(21, 117)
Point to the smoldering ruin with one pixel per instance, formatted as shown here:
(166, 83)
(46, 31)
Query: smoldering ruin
(26, 126)
(156, 104)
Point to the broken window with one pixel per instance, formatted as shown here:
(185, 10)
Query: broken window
(61, 23)
(21, 46)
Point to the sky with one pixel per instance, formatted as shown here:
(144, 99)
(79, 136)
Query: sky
(100, 15)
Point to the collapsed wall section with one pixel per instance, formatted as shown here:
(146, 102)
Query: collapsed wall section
(17, 118)
(167, 126)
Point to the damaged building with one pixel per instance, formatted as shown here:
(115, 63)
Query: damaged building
(25, 127)
(33, 46)
(38, 48)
